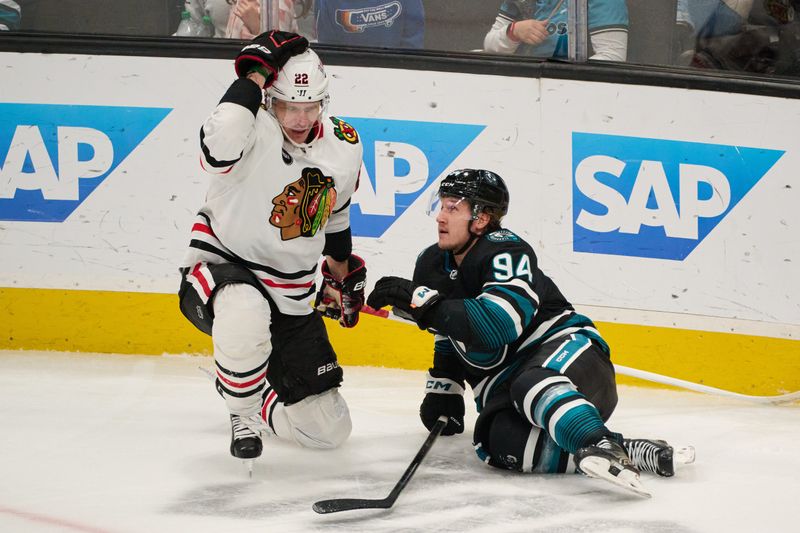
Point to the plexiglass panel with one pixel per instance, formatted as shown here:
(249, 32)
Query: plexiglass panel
(749, 36)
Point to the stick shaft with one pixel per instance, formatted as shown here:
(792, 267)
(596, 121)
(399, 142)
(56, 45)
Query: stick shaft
(349, 504)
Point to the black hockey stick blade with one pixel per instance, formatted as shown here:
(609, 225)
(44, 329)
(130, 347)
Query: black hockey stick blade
(348, 504)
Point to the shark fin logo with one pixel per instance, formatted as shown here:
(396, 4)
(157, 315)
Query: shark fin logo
(401, 160)
(52, 157)
(656, 198)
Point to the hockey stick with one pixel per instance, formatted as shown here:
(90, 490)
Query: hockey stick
(666, 380)
(349, 504)
(658, 378)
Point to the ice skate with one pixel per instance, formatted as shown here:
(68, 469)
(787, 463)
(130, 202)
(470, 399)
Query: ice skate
(246, 439)
(607, 460)
(657, 456)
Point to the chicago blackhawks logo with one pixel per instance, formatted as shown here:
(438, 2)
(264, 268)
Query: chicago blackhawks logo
(304, 205)
(344, 131)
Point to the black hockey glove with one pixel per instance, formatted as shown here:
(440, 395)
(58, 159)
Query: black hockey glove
(342, 300)
(409, 300)
(443, 397)
(270, 51)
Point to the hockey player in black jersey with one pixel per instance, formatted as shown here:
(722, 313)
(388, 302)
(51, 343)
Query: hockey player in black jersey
(540, 372)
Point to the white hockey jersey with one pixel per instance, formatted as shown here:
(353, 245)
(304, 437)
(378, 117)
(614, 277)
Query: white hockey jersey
(270, 203)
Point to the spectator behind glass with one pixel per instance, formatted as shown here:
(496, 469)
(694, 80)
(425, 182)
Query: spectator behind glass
(241, 19)
(245, 17)
(760, 36)
(782, 18)
(713, 18)
(10, 15)
(707, 19)
(372, 23)
(539, 29)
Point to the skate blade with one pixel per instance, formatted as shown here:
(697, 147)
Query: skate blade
(248, 465)
(683, 455)
(597, 467)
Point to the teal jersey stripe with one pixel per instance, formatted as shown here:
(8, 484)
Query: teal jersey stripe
(490, 322)
(523, 302)
(575, 321)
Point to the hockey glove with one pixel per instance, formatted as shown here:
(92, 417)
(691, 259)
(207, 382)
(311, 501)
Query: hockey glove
(342, 300)
(409, 300)
(268, 53)
(443, 397)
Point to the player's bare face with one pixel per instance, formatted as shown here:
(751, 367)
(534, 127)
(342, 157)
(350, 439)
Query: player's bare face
(453, 222)
(297, 119)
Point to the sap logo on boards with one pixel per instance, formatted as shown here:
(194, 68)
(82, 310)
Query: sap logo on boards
(656, 198)
(52, 157)
(401, 160)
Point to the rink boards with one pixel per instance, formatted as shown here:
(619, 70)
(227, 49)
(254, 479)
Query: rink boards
(667, 215)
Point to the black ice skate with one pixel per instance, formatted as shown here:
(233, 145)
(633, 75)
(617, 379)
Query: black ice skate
(246, 438)
(657, 456)
(608, 460)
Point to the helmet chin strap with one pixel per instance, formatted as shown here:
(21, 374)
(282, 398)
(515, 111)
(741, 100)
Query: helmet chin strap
(472, 238)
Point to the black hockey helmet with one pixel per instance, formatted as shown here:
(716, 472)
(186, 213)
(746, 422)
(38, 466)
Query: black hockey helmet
(485, 191)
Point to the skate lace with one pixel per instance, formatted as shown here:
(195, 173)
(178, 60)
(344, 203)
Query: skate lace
(644, 454)
(605, 444)
(247, 426)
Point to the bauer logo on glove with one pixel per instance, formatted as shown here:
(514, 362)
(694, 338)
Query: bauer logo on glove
(343, 300)
(269, 51)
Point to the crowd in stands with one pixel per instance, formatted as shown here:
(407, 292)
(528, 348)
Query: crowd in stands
(760, 36)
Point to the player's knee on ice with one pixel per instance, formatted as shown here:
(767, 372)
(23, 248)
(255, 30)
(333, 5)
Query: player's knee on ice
(504, 439)
(320, 421)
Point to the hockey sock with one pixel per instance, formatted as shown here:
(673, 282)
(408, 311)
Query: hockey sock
(566, 415)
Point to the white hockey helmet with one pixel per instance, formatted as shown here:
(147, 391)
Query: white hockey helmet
(302, 79)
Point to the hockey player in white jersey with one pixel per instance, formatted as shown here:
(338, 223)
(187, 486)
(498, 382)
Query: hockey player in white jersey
(282, 172)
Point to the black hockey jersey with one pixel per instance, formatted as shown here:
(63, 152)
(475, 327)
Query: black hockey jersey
(497, 306)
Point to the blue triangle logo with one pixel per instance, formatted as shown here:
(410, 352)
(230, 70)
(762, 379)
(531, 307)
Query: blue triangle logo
(52, 157)
(657, 198)
(402, 159)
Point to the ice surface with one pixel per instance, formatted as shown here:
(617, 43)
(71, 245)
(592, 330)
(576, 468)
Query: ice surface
(139, 443)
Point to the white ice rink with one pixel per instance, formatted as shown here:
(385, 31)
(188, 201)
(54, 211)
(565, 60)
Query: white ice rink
(93, 443)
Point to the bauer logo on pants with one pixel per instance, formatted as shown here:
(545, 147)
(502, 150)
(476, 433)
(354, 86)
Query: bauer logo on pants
(656, 198)
(401, 160)
(52, 157)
